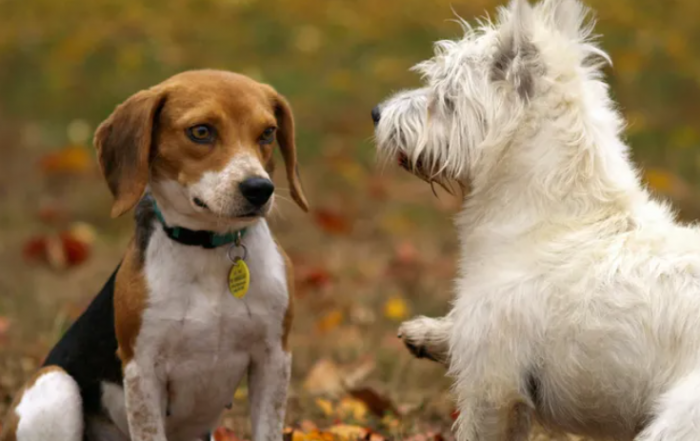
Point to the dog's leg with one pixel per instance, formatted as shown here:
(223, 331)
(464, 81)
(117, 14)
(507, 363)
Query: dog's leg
(485, 421)
(50, 408)
(492, 347)
(145, 402)
(268, 381)
(427, 337)
(677, 413)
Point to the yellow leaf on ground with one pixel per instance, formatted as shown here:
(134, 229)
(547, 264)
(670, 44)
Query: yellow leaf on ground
(325, 405)
(396, 309)
(83, 232)
(347, 432)
(241, 394)
(350, 408)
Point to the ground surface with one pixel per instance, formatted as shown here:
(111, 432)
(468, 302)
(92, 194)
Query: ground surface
(378, 246)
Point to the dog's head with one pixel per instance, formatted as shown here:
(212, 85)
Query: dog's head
(202, 141)
(478, 91)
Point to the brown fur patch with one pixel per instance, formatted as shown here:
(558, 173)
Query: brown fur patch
(519, 422)
(129, 302)
(124, 147)
(239, 110)
(289, 314)
(287, 142)
(9, 427)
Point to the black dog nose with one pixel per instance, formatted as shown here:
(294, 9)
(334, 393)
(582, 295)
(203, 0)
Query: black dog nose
(257, 190)
(376, 115)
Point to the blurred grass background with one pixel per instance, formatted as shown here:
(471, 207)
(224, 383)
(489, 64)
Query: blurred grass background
(378, 246)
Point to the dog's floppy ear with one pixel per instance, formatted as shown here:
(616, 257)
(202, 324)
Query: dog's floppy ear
(123, 142)
(516, 60)
(285, 139)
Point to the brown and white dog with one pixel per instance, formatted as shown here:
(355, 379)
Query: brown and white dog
(161, 349)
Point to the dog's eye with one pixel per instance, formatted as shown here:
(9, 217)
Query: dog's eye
(202, 134)
(268, 135)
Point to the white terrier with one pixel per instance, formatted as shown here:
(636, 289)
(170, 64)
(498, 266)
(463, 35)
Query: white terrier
(578, 294)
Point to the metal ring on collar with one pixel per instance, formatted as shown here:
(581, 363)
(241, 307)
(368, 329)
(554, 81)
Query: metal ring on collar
(233, 247)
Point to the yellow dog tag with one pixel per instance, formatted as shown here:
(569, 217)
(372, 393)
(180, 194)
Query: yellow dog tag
(239, 278)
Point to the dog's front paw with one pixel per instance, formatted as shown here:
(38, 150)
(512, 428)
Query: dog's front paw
(425, 338)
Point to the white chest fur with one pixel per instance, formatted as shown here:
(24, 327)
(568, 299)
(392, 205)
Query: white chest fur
(200, 339)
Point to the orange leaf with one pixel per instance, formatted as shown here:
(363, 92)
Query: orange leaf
(332, 222)
(330, 321)
(318, 435)
(224, 434)
(70, 160)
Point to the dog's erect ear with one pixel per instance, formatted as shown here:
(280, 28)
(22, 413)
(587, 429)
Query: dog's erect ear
(285, 139)
(568, 17)
(516, 60)
(124, 142)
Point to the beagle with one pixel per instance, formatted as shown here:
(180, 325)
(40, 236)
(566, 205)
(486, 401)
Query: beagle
(203, 294)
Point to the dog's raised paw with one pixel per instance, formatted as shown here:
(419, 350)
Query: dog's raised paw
(418, 336)
(419, 351)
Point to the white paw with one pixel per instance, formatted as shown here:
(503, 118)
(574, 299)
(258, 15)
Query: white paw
(424, 337)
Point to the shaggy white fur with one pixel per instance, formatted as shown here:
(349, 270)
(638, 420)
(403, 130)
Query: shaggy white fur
(578, 294)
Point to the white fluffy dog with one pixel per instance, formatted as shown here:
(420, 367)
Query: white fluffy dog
(578, 294)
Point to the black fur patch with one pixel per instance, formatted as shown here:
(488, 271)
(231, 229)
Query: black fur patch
(145, 217)
(88, 350)
(534, 389)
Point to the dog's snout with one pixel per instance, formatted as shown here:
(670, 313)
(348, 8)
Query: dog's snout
(257, 190)
(376, 115)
